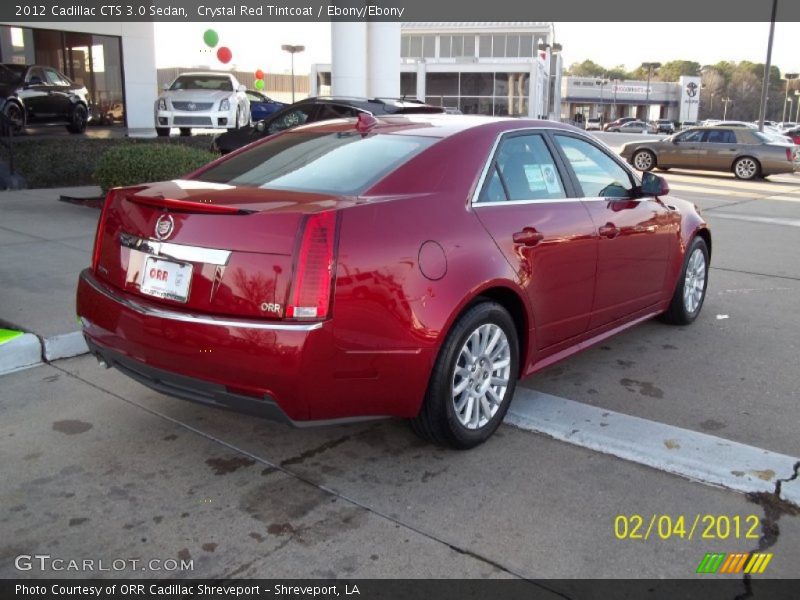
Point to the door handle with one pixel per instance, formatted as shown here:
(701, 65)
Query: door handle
(528, 237)
(609, 230)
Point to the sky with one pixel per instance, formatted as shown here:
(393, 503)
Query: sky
(258, 45)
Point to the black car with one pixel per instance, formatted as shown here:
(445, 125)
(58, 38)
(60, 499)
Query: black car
(34, 94)
(319, 108)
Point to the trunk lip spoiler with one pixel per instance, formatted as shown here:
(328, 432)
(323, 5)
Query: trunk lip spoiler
(187, 205)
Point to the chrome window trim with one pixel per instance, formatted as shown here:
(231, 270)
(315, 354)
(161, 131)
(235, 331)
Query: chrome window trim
(164, 313)
(180, 252)
(474, 201)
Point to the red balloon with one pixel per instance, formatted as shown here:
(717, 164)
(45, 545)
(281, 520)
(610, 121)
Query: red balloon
(259, 74)
(224, 54)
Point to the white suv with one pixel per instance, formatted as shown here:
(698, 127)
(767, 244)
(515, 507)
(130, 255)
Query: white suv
(203, 100)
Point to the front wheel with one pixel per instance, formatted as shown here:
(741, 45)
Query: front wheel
(14, 121)
(79, 119)
(691, 289)
(746, 168)
(644, 160)
(473, 380)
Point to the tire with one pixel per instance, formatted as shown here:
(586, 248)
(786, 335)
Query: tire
(14, 123)
(643, 160)
(79, 119)
(186, 131)
(746, 168)
(466, 418)
(686, 305)
(162, 131)
(663, 168)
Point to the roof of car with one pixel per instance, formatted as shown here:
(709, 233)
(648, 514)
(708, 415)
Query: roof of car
(436, 125)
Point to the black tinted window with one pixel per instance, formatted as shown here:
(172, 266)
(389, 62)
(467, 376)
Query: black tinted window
(291, 118)
(335, 163)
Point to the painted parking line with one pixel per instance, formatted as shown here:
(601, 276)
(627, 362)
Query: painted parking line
(756, 219)
(696, 456)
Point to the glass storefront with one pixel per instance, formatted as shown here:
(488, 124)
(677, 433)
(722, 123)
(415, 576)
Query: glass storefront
(499, 94)
(94, 61)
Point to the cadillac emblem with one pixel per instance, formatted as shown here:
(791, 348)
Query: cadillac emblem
(164, 227)
(191, 106)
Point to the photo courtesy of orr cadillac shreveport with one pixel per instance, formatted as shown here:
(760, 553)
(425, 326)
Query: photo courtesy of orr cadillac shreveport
(412, 266)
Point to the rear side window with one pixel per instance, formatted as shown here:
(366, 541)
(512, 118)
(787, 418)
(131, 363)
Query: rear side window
(523, 170)
(345, 163)
(720, 136)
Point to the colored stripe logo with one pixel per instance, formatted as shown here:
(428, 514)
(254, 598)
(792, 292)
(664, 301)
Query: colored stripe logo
(735, 562)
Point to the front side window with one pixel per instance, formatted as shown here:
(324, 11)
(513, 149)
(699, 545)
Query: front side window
(599, 175)
(343, 163)
(523, 169)
(35, 76)
(691, 136)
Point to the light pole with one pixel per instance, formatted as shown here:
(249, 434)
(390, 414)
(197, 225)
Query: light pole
(602, 83)
(788, 77)
(789, 100)
(614, 110)
(762, 110)
(292, 50)
(797, 116)
(726, 101)
(650, 66)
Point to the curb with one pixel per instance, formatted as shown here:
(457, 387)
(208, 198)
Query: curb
(65, 345)
(690, 454)
(20, 353)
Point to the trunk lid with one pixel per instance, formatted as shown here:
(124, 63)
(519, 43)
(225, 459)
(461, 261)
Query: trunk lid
(206, 247)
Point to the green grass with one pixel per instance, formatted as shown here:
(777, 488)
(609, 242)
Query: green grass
(6, 335)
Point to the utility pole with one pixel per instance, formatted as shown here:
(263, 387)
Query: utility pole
(649, 66)
(765, 83)
(788, 77)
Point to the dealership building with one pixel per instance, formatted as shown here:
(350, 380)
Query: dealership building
(492, 68)
(115, 62)
(591, 97)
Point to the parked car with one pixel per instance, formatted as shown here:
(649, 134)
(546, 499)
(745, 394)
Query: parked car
(793, 134)
(687, 124)
(662, 126)
(593, 124)
(319, 108)
(412, 266)
(206, 100)
(631, 127)
(262, 106)
(741, 150)
(41, 95)
(618, 122)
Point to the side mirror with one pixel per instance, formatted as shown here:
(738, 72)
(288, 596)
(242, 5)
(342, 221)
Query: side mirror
(653, 185)
(241, 88)
(165, 87)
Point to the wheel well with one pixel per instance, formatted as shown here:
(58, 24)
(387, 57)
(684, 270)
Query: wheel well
(706, 235)
(509, 300)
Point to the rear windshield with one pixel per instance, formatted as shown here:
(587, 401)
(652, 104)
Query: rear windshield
(202, 82)
(344, 163)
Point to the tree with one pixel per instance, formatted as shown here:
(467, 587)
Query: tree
(674, 69)
(587, 68)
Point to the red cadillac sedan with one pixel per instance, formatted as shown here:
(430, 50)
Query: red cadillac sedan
(410, 266)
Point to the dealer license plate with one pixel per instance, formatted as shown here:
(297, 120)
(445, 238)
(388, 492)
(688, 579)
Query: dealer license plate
(166, 279)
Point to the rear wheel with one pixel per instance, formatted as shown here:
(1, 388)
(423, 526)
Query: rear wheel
(746, 168)
(473, 380)
(691, 289)
(644, 160)
(79, 119)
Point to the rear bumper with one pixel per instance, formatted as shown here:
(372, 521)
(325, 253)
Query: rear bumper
(291, 372)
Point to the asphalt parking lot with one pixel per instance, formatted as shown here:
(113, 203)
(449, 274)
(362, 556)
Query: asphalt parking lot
(96, 465)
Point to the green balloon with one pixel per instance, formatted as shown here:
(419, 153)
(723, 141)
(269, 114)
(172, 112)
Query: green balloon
(259, 84)
(211, 38)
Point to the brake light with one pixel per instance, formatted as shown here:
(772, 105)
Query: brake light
(101, 228)
(790, 154)
(311, 291)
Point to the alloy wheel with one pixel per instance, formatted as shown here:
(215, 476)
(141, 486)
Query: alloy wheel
(481, 376)
(694, 283)
(746, 168)
(643, 161)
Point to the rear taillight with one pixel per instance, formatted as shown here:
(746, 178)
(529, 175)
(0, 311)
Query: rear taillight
(310, 297)
(101, 229)
(790, 154)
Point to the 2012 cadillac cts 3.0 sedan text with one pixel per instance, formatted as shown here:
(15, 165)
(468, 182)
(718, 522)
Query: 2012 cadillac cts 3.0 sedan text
(412, 266)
